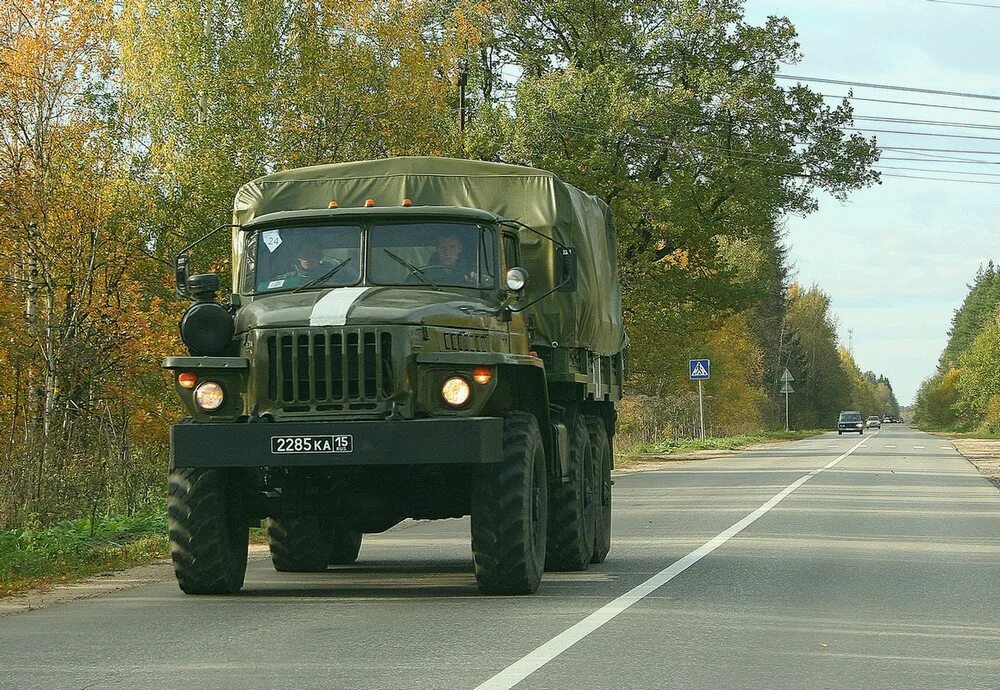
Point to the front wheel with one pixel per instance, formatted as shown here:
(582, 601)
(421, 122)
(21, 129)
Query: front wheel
(209, 534)
(509, 512)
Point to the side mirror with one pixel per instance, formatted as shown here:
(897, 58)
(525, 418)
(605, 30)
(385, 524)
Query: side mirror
(517, 278)
(181, 275)
(566, 269)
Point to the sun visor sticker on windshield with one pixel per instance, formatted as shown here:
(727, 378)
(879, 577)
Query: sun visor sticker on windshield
(332, 308)
(271, 239)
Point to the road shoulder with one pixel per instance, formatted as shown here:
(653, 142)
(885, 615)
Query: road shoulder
(983, 453)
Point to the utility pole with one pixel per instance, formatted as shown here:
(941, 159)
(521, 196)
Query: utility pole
(463, 80)
(203, 93)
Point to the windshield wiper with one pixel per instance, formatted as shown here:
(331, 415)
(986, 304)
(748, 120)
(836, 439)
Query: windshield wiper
(325, 277)
(414, 271)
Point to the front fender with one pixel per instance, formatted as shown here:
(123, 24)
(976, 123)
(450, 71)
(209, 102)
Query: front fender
(229, 372)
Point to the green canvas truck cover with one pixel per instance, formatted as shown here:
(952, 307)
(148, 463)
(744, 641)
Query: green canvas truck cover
(590, 317)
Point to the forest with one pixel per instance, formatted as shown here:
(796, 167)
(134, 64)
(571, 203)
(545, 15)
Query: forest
(126, 127)
(964, 392)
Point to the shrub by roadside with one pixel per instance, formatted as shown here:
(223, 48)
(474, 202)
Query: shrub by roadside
(678, 446)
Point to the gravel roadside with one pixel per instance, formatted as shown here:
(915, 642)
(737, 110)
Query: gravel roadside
(983, 453)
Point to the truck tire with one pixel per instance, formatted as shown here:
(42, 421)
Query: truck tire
(209, 537)
(345, 546)
(602, 469)
(299, 543)
(510, 512)
(571, 508)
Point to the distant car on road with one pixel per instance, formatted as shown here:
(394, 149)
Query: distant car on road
(850, 420)
(888, 420)
(874, 422)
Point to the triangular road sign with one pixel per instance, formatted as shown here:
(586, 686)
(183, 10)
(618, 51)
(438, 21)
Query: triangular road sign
(699, 370)
(787, 376)
(787, 388)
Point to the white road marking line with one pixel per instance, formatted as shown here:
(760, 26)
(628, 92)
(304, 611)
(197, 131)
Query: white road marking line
(534, 660)
(832, 445)
(890, 445)
(919, 447)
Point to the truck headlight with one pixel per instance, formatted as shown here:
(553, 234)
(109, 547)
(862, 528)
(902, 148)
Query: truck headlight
(208, 396)
(456, 391)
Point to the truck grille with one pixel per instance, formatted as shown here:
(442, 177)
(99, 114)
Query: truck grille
(329, 369)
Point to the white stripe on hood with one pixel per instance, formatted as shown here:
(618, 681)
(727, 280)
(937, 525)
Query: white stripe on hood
(331, 309)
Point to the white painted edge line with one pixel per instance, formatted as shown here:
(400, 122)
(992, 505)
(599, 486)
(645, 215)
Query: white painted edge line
(920, 447)
(534, 660)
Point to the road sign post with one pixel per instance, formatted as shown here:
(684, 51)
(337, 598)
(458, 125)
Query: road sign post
(700, 370)
(786, 388)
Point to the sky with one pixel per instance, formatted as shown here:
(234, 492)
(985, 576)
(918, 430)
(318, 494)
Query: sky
(897, 258)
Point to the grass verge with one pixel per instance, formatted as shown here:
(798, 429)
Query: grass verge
(688, 445)
(75, 549)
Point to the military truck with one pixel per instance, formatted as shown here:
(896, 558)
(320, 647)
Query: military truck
(413, 337)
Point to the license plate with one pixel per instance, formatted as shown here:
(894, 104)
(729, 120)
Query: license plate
(314, 443)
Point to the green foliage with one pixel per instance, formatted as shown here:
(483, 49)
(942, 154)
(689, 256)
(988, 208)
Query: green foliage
(823, 386)
(979, 385)
(74, 548)
(131, 125)
(977, 310)
(965, 392)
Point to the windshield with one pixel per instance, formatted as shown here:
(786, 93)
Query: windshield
(850, 416)
(437, 254)
(293, 257)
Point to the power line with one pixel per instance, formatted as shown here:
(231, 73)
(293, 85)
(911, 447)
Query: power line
(946, 160)
(966, 4)
(918, 148)
(933, 170)
(920, 134)
(939, 179)
(889, 87)
(934, 123)
(916, 103)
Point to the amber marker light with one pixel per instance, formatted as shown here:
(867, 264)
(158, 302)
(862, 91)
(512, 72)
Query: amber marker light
(407, 202)
(186, 379)
(369, 203)
(482, 375)
(333, 204)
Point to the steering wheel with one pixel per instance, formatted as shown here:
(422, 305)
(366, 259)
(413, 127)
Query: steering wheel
(445, 272)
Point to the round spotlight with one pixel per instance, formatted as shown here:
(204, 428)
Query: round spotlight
(456, 391)
(517, 277)
(208, 396)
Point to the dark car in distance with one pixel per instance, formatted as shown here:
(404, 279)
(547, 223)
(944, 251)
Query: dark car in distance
(850, 421)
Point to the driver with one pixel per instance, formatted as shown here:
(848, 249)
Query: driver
(308, 264)
(449, 251)
(447, 260)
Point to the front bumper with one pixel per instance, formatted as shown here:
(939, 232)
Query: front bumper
(403, 442)
(850, 427)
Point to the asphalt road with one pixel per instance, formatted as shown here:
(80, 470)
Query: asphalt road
(882, 570)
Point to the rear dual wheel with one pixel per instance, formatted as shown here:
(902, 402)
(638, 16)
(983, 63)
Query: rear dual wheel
(573, 507)
(307, 543)
(601, 446)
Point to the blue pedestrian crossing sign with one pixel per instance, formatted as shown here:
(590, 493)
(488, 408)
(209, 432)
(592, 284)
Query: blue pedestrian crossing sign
(700, 369)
